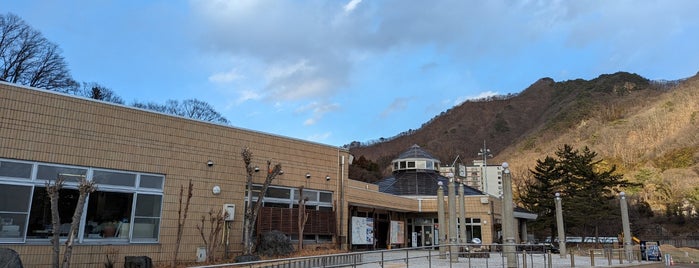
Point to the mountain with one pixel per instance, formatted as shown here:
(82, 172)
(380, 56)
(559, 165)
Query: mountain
(648, 129)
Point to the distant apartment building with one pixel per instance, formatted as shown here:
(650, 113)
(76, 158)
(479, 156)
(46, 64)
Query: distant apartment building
(485, 178)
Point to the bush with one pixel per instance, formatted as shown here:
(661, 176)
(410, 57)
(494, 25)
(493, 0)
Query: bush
(274, 244)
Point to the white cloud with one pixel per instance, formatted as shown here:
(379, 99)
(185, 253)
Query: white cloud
(482, 95)
(351, 5)
(246, 95)
(317, 110)
(398, 104)
(320, 137)
(309, 50)
(225, 77)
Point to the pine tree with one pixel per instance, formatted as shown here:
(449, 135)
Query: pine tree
(587, 191)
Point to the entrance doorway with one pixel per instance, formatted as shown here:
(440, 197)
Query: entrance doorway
(424, 233)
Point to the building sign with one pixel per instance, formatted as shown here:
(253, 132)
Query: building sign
(462, 171)
(397, 232)
(362, 231)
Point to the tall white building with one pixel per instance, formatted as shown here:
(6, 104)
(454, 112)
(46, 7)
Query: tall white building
(487, 179)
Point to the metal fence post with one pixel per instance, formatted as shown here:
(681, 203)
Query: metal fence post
(621, 257)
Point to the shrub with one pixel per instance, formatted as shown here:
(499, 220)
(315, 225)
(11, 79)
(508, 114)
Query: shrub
(275, 243)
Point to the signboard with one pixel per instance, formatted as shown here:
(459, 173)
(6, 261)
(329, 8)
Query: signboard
(414, 240)
(462, 171)
(397, 232)
(362, 231)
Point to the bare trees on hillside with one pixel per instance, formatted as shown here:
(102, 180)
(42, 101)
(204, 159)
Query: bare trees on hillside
(190, 108)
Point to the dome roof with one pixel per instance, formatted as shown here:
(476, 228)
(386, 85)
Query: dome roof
(415, 152)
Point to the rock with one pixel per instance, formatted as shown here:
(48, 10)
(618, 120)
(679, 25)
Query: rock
(10, 258)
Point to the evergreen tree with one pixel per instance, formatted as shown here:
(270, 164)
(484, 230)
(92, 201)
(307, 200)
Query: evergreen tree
(539, 192)
(588, 192)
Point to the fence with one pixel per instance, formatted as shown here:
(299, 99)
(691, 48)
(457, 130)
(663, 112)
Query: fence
(469, 255)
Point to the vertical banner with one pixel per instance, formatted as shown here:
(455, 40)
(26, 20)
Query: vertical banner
(397, 232)
(362, 231)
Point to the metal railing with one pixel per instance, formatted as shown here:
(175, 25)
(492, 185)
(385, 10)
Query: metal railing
(469, 255)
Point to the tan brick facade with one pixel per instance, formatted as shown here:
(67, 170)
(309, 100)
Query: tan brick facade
(41, 126)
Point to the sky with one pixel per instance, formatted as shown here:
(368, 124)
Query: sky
(337, 71)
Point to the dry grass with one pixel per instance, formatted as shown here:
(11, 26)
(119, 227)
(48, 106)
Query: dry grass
(681, 255)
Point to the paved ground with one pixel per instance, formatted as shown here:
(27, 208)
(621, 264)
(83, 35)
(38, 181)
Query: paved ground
(425, 258)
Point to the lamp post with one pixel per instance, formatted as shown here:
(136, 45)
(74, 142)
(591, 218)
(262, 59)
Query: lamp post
(453, 254)
(559, 224)
(440, 219)
(508, 224)
(485, 152)
(625, 226)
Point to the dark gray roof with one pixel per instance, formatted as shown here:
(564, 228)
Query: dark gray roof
(415, 152)
(414, 182)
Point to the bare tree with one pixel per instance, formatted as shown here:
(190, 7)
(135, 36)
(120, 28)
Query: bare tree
(250, 210)
(181, 218)
(191, 108)
(27, 58)
(84, 188)
(96, 91)
(303, 216)
(216, 223)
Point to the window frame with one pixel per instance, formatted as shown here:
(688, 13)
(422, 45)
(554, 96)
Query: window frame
(33, 182)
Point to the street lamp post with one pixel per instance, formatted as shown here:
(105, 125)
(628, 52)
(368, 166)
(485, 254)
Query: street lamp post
(440, 219)
(508, 224)
(485, 152)
(559, 224)
(453, 254)
(626, 226)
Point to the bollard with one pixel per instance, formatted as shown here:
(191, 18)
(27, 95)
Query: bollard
(592, 258)
(609, 256)
(524, 259)
(550, 261)
(572, 259)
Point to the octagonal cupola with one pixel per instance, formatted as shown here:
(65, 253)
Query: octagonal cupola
(415, 158)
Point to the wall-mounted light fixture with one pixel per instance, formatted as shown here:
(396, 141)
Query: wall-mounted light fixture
(216, 190)
(281, 172)
(327, 178)
(308, 175)
(210, 163)
(257, 169)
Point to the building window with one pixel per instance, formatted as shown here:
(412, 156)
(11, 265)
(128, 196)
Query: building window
(126, 206)
(280, 212)
(473, 229)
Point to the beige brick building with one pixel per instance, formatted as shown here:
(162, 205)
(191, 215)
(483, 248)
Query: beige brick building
(140, 160)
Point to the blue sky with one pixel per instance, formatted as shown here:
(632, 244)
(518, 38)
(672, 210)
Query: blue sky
(340, 71)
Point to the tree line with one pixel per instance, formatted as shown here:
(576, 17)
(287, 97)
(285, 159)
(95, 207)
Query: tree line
(28, 58)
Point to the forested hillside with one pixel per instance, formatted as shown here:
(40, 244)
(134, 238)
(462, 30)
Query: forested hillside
(648, 129)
